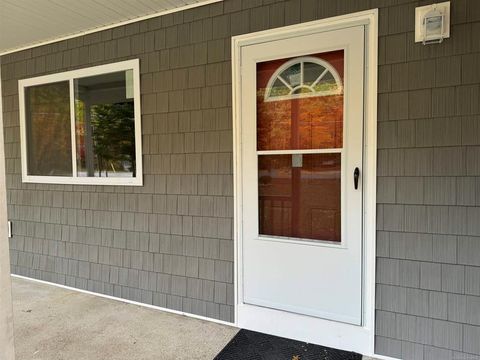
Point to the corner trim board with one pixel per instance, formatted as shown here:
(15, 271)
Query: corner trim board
(7, 347)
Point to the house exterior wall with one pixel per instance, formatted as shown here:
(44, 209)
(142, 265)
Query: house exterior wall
(169, 243)
(428, 240)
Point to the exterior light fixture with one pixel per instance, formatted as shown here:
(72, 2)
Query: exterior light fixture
(432, 23)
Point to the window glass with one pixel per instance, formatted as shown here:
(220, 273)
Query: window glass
(300, 102)
(105, 125)
(80, 126)
(299, 146)
(299, 196)
(48, 133)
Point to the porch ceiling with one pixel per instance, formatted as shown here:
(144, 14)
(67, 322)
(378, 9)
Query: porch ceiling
(29, 22)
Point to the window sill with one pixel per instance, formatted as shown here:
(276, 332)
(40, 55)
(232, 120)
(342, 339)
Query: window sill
(65, 180)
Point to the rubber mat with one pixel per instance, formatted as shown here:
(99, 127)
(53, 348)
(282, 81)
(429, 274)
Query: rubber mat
(251, 345)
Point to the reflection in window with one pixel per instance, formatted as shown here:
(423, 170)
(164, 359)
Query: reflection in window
(299, 196)
(82, 126)
(301, 77)
(105, 125)
(300, 102)
(300, 107)
(47, 120)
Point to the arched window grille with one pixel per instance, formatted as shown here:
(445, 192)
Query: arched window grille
(306, 76)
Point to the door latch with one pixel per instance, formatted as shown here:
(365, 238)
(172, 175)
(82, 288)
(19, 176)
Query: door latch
(356, 175)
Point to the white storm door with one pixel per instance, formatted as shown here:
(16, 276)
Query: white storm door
(301, 131)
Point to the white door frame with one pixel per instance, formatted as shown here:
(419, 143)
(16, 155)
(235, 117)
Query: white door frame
(330, 333)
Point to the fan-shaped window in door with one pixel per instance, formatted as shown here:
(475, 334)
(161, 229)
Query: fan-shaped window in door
(300, 102)
(303, 77)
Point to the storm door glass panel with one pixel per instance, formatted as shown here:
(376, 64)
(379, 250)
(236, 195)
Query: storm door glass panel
(299, 146)
(47, 123)
(299, 196)
(300, 102)
(105, 125)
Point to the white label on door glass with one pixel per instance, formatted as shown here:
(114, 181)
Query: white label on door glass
(297, 160)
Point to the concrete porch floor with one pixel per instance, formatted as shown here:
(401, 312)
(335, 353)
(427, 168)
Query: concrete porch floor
(52, 323)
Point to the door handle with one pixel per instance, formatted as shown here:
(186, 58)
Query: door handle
(356, 175)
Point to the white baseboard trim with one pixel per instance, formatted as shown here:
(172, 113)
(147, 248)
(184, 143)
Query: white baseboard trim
(199, 317)
(381, 357)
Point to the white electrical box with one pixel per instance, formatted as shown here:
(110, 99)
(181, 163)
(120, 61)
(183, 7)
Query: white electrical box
(432, 23)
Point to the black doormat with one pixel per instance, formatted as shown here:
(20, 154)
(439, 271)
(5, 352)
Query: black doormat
(251, 345)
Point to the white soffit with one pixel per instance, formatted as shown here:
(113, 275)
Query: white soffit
(28, 23)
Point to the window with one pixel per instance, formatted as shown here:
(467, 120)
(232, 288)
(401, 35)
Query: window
(299, 146)
(82, 126)
(303, 77)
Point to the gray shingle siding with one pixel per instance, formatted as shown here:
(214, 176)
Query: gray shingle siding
(169, 243)
(428, 189)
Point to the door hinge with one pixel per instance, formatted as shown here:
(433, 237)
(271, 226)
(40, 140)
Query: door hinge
(9, 227)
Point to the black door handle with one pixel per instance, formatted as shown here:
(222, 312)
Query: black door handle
(356, 175)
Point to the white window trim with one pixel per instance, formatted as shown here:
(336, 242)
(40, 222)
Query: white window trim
(70, 76)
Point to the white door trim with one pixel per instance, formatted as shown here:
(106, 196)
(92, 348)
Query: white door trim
(334, 334)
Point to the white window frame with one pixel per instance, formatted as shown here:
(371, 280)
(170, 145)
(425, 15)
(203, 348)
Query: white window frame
(70, 76)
